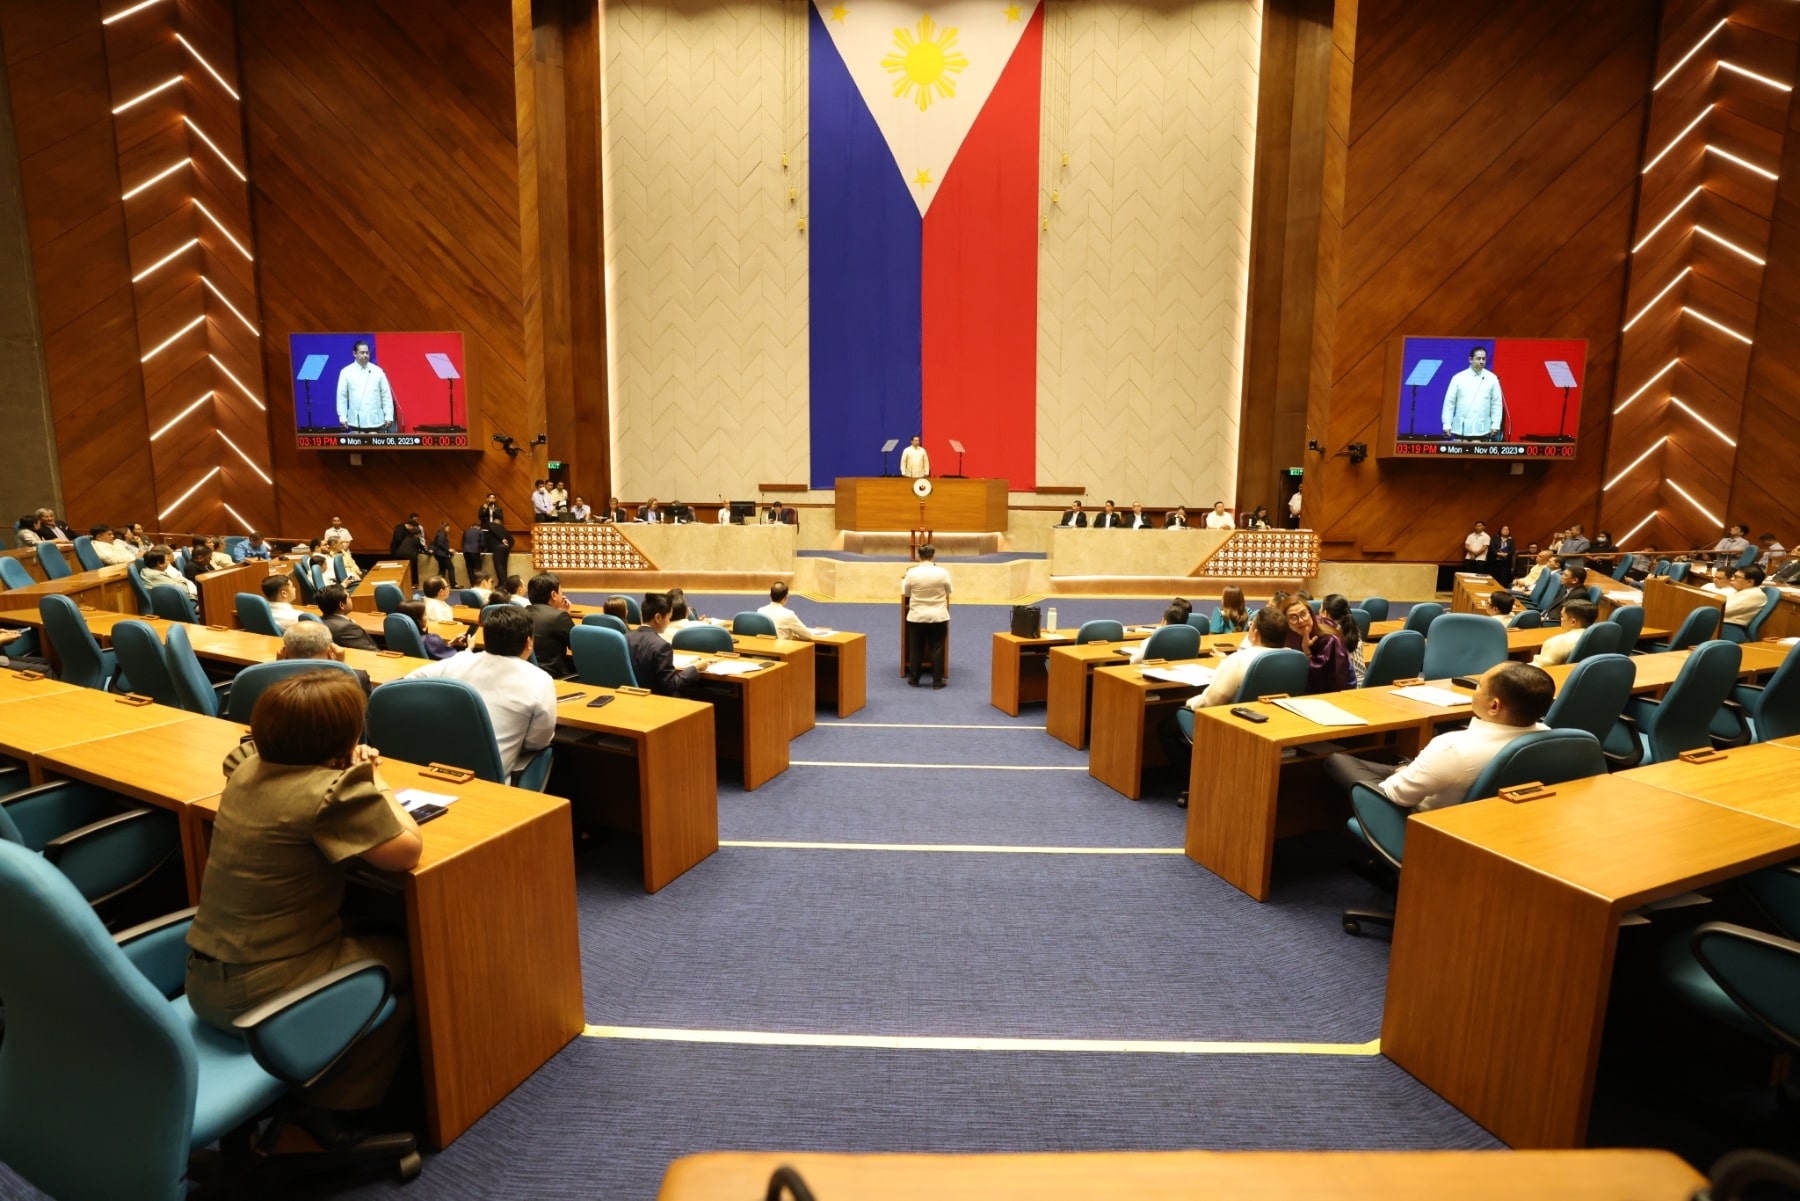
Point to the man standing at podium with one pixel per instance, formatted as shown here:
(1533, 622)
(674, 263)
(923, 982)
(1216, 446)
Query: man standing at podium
(927, 591)
(1473, 406)
(914, 462)
(365, 400)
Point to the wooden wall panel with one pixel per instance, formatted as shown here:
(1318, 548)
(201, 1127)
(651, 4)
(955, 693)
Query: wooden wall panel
(384, 164)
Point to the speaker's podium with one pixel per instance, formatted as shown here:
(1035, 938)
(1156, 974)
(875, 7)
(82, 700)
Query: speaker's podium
(951, 505)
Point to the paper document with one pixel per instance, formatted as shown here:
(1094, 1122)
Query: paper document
(411, 798)
(1629, 598)
(1322, 713)
(683, 662)
(1190, 674)
(736, 667)
(1442, 697)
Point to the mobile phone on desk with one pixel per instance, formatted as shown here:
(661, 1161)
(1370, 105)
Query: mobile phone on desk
(602, 700)
(1469, 682)
(425, 813)
(569, 696)
(1249, 714)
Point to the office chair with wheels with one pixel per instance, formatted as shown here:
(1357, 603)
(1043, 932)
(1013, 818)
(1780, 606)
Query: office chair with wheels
(50, 556)
(1099, 631)
(1420, 618)
(704, 639)
(1173, 642)
(103, 842)
(1526, 619)
(84, 664)
(13, 573)
(633, 613)
(1593, 698)
(754, 623)
(602, 656)
(388, 597)
(1630, 620)
(255, 615)
(86, 555)
(249, 685)
(172, 1084)
(1546, 756)
(1699, 625)
(172, 604)
(1752, 630)
(1399, 656)
(607, 620)
(1376, 607)
(445, 721)
(403, 635)
(193, 690)
(1682, 719)
(1761, 712)
(1600, 638)
(140, 655)
(1462, 644)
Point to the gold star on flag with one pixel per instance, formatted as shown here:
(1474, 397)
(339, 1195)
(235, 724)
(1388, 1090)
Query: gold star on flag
(839, 12)
(923, 178)
(1012, 13)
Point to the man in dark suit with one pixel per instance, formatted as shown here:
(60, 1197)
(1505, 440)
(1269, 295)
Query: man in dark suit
(550, 624)
(489, 513)
(618, 512)
(474, 545)
(333, 600)
(1572, 586)
(1109, 518)
(499, 544)
(403, 531)
(652, 658)
(1074, 518)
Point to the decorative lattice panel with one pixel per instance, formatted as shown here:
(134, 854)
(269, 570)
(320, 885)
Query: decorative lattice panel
(1275, 554)
(565, 547)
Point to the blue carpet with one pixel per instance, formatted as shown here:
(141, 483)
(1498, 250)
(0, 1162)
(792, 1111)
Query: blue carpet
(844, 556)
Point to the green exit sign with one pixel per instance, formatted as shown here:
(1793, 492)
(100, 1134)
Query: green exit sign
(1290, 471)
(555, 464)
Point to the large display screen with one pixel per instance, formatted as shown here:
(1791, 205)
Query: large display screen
(379, 391)
(1504, 398)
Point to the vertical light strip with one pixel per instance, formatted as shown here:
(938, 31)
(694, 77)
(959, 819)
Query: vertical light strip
(157, 178)
(1704, 38)
(1744, 163)
(240, 383)
(234, 310)
(1632, 532)
(166, 259)
(220, 226)
(173, 421)
(1685, 200)
(1676, 140)
(1722, 435)
(143, 96)
(1667, 367)
(214, 147)
(1690, 500)
(182, 499)
(201, 59)
(245, 457)
(1724, 329)
(123, 13)
(1671, 287)
(173, 338)
(1729, 245)
(1654, 447)
(243, 524)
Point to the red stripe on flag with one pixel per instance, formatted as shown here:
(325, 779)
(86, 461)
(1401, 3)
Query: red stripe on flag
(979, 284)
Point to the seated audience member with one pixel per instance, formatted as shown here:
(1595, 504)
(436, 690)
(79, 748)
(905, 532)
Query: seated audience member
(652, 659)
(650, 512)
(1231, 617)
(1185, 605)
(159, 571)
(500, 595)
(482, 585)
(252, 547)
(681, 615)
(302, 798)
(515, 591)
(1219, 519)
(435, 646)
(550, 623)
(1073, 517)
(200, 559)
(312, 640)
(1259, 520)
(21, 662)
(1140, 520)
(1542, 562)
(335, 551)
(1511, 699)
(1109, 518)
(1746, 598)
(580, 510)
(279, 589)
(1268, 631)
(520, 699)
(1177, 519)
(221, 558)
(133, 536)
(1577, 616)
(616, 512)
(1500, 607)
(787, 622)
(1336, 610)
(1174, 615)
(112, 552)
(1572, 586)
(49, 529)
(1772, 552)
(25, 530)
(437, 602)
(618, 608)
(336, 532)
(333, 600)
(1329, 662)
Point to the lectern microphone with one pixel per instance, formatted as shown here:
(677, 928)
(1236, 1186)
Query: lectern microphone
(887, 448)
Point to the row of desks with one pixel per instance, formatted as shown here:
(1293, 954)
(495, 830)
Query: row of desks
(496, 967)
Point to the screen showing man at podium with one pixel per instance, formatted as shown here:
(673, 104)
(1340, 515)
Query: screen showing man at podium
(1505, 398)
(379, 391)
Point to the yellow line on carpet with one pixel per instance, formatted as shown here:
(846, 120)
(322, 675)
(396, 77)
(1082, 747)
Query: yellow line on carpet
(974, 849)
(899, 1042)
(933, 766)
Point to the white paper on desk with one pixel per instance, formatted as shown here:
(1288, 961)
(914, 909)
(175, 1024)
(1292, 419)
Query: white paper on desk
(1627, 597)
(411, 798)
(1322, 713)
(1441, 697)
(683, 662)
(823, 630)
(1192, 675)
(1789, 641)
(736, 667)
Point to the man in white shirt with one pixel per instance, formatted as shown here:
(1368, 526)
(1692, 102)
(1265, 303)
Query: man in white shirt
(1219, 519)
(1294, 508)
(437, 600)
(157, 572)
(787, 622)
(926, 587)
(336, 530)
(1473, 405)
(1140, 520)
(1500, 606)
(1174, 615)
(520, 696)
(580, 511)
(1577, 616)
(1772, 552)
(541, 508)
(279, 591)
(334, 550)
(112, 552)
(914, 462)
(1746, 599)
(1268, 631)
(365, 399)
(1475, 550)
(1510, 700)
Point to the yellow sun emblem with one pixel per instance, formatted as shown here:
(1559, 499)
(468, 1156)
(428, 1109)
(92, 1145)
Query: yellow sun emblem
(925, 62)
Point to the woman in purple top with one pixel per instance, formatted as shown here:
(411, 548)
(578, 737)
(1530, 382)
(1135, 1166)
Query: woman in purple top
(1329, 662)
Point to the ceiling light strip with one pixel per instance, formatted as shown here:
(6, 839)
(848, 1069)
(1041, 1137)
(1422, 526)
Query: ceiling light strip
(173, 421)
(1704, 38)
(1744, 163)
(234, 309)
(1632, 532)
(1724, 329)
(1676, 140)
(174, 338)
(1654, 447)
(157, 178)
(143, 96)
(1690, 500)
(1681, 275)
(1721, 434)
(1685, 200)
(1667, 367)
(220, 226)
(214, 147)
(240, 383)
(201, 59)
(1735, 69)
(182, 499)
(126, 12)
(1729, 245)
(166, 259)
(246, 458)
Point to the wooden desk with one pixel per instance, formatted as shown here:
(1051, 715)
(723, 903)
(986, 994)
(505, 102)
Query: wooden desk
(801, 683)
(1021, 669)
(1750, 779)
(45, 723)
(888, 503)
(496, 964)
(108, 588)
(219, 589)
(675, 774)
(27, 557)
(375, 626)
(1520, 644)
(1763, 658)
(1184, 1175)
(1127, 709)
(1469, 594)
(14, 687)
(1508, 920)
(1667, 604)
(397, 572)
(841, 670)
(1071, 674)
(753, 728)
(241, 648)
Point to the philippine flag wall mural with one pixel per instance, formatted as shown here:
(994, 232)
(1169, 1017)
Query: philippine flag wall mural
(923, 226)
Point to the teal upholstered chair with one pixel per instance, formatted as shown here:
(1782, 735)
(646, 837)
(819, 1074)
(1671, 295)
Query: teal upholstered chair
(193, 690)
(249, 685)
(602, 656)
(402, 635)
(753, 623)
(703, 639)
(1682, 719)
(1399, 656)
(104, 843)
(1099, 631)
(1173, 642)
(13, 573)
(1630, 620)
(170, 602)
(1761, 712)
(1600, 638)
(1376, 607)
(1699, 625)
(83, 662)
(633, 613)
(1526, 619)
(86, 555)
(141, 659)
(1364, 622)
(255, 615)
(607, 620)
(1593, 698)
(1463, 644)
(1752, 630)
(51, 557)
(388, 597)
(445, 721)
(1420, 617)
(1741, 978)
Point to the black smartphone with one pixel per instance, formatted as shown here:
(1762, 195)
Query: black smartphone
(1249, 714)
(1469, 682)
(425, 813)
(602, 699)
(569, 696)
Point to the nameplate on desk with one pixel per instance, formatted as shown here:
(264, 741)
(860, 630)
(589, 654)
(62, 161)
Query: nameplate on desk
(87, 609)
(133, 698)
(390, 654)
(221, 629)
(1272, 696)
(1704, 755)
(29, 675)
(1152, 662)
(1534, 791)
(631, 690)
(445, 771)
(1414, 682)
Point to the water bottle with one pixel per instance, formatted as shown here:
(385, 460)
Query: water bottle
(1053, 624)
